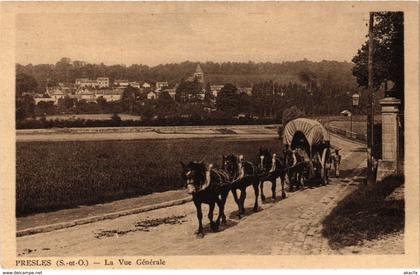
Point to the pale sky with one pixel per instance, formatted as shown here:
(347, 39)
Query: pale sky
(237, 33)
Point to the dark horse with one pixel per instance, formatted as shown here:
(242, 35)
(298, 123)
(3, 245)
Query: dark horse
(241, 174)
(207, 185)
(272, 167)
(295, 170)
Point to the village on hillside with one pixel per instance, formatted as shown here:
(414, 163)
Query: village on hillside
(91, 90)
(179, 94)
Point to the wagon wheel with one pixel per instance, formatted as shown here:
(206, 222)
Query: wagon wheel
(325, 166)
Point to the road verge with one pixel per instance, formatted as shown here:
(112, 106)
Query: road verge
(58, 226)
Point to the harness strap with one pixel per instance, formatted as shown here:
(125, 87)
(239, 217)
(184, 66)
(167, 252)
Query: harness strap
(273, 164)
(294, 158)
(207, 179)
(241, 170)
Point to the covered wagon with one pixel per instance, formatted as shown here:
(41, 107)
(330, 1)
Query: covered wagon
(310, 142)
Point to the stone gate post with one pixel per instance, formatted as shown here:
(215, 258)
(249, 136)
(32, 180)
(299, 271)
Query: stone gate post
(388, 165)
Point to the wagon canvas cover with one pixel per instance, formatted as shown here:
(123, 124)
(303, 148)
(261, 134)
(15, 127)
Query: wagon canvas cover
(314, 132)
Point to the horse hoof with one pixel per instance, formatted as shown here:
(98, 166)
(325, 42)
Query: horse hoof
(213, 226)
(255, 209)
(263, 198)
(273, 199)
(199, 234)
(283, 195)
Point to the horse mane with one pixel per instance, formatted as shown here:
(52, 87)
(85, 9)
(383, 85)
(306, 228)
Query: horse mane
(235, 161)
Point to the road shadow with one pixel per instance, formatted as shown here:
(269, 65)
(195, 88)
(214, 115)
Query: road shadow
(349, 173)
(310, 184)
(229, 224)
(365, 214)
(269, 200)
(248, 212)
(359, 150)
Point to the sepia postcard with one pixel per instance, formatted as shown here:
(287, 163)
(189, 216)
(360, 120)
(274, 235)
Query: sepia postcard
(166, 135)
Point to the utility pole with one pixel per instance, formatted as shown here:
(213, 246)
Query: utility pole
(370, 109)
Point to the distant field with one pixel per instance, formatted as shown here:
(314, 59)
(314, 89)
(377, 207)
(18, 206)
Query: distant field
(55, 175)
(91, 117)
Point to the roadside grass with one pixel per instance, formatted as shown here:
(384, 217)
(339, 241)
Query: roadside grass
(365, 214)
(57, 175)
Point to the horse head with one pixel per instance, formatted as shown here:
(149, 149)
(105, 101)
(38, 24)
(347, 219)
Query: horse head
(265, 160)
(289, 158)
(231, 165)
(194, 175)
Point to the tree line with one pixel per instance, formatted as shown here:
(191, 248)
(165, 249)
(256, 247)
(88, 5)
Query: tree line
(239, 74)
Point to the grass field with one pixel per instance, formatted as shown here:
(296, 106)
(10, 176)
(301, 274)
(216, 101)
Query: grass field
(56, 175)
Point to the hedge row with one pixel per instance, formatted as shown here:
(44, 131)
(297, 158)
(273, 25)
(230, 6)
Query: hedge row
(80, 123)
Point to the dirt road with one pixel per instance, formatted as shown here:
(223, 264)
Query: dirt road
(289, 226)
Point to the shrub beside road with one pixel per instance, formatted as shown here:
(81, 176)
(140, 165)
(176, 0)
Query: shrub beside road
(368, 213)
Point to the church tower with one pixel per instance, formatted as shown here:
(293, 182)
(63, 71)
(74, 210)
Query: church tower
(199, 75)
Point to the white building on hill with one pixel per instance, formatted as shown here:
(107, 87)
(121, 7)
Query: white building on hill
(102, 82)
(121, 82)
(151, 95)
(109, 94)
(215, 89)
(160, 85)
(134, 84)
(146, 85)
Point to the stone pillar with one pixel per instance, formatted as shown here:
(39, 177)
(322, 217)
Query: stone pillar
(389, 163)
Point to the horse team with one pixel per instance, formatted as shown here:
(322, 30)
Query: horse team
(211, 185)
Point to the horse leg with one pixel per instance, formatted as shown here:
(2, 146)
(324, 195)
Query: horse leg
(242, 200)
(262, 190)
(200, 219)
(235, 197)
(221, 205)
(289, 176)
(210, 215)
(283, 179)
(273, 188)
(222, 209)
(298, 181)
(256, 190)
(302, 182)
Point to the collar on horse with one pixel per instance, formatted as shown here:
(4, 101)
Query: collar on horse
(221, 176)
(273, 163)
(207, 178)
(240, 172)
